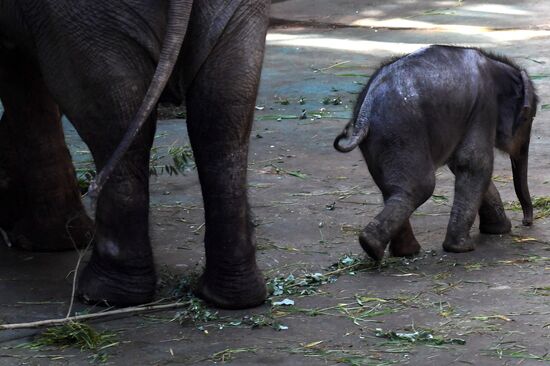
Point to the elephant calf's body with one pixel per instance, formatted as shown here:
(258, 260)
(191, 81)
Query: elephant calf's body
(441, 105)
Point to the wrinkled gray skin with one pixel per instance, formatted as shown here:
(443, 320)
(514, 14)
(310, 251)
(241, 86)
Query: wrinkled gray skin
(441, 105)
(94, 61)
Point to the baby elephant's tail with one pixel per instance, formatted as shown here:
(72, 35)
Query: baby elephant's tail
(350, 137)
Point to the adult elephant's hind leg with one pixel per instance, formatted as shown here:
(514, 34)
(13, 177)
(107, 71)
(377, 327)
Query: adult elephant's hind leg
(121, 270)
(220, 111)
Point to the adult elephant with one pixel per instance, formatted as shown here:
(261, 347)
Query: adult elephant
(105, 64)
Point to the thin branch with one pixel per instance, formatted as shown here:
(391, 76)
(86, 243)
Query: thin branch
(81, 254)
(130, 310)
(196, 231)
(6, 238)
(331, 66)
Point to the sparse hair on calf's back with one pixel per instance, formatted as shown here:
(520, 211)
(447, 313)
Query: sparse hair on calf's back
(390, 60)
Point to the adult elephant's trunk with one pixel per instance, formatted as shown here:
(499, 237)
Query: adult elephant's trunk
(519, 169)
(178, 20)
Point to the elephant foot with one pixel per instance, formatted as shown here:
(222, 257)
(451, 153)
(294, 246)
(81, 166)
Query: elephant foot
(403, 243)
(228, 292)
(458, 246)
(500, 227)
(370, 242)
(118, 287)
(51, 234)
(408, 249)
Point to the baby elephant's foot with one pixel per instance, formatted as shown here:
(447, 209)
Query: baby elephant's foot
(371, 243)
(402, 249)
(461, 245)
(495, 227)
(492, 217)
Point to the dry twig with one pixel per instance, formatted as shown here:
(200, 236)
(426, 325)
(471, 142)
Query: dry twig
(130, 310)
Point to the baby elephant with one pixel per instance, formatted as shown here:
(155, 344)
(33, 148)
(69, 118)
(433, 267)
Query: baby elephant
(442, 105)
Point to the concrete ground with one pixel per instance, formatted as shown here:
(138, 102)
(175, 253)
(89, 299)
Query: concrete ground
(487, 307)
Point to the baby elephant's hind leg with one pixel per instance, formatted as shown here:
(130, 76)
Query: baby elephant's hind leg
(404, 244)
(492, 218)
(404, 189)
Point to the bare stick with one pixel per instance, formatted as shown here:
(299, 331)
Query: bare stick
(6, 238)
(81, 254)
(331, 66)
(130, 310)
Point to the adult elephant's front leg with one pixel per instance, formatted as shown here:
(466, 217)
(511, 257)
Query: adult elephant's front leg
(220, 109)
(40, 203)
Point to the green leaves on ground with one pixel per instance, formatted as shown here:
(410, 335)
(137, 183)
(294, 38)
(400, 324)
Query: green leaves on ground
(307, 284)
(181, 160)
(418, 336)
(77, 335)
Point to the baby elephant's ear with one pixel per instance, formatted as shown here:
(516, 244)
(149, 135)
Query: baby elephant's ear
(515, 115)
(528, 94)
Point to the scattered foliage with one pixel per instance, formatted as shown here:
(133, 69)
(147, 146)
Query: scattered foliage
(339, 356)
(228, 354)
(418, 336)
(78, 335)
(337, 100)
(282, 101)
(306, 284)
(281, 171)
(181, 160)
(440, 199)
(181, 156)
(515, 351)
(195, 312)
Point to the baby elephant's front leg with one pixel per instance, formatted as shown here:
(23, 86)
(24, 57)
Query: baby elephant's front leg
(404, 244)
(492, 218)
